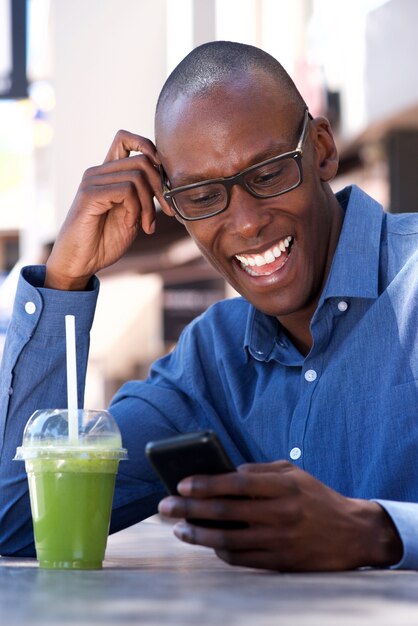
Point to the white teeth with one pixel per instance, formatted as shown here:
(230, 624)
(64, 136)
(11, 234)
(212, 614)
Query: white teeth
(250, 271)
(242, 259)
(265, 272)
(269, 256)
(259, 260)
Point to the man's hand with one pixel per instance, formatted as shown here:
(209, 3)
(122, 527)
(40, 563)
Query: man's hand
(112, 202)
(296, 523)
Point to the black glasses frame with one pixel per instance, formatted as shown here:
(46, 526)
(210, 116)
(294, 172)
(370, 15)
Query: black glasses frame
(239, 179)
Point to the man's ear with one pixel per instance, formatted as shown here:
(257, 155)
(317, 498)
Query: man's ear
(325, 149)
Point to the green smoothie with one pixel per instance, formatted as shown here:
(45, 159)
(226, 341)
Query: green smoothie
(71, 484)
(71, 501)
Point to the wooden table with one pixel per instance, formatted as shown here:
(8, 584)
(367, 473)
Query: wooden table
(152, 579)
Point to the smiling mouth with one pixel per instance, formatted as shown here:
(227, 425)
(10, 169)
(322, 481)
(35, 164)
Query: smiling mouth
(266, 262)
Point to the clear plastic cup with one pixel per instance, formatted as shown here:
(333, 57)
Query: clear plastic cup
(71, 485)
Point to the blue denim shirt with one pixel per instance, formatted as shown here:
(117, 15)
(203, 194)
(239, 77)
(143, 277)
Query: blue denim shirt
(347, 413)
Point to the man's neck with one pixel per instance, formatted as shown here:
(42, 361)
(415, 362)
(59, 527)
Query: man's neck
(297, 324)
(297, 327)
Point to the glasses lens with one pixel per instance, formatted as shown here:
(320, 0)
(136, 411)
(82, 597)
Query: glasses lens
(202, 200)
(274, 177)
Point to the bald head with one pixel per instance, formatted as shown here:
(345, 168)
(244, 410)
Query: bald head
(219, 63)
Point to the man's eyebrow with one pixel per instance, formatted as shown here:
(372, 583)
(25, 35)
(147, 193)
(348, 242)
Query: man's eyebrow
(185, 178)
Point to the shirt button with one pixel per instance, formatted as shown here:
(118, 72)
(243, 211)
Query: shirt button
(30, 308)
(295, 454)
(342, 306)
(310, 376)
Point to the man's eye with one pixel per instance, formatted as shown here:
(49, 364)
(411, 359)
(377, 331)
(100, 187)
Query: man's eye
(268, 177)
(202, 198)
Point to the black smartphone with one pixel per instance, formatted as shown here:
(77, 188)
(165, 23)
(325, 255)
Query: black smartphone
(180, 456)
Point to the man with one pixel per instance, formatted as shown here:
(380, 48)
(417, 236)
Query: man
(309, 379)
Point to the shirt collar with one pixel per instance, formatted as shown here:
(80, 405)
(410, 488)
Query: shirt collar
(260, 334)
(355, 267)
(358, 248)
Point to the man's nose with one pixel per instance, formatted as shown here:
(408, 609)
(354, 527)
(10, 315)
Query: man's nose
(246, 214)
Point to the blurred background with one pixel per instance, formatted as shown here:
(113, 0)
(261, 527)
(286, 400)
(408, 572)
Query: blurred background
(73, 72)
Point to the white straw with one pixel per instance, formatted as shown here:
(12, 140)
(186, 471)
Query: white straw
(71, 378)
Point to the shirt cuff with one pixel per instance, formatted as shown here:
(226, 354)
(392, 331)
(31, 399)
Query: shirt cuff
(43, 310)
(404, 515)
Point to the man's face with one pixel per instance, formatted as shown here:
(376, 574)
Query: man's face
(277, 251)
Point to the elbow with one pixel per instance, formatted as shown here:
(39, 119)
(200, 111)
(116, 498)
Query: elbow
(16, 536)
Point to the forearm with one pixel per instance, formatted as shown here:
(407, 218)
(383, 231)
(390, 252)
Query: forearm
(33, 377)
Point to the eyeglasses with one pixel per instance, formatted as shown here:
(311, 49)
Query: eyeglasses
(267, 179)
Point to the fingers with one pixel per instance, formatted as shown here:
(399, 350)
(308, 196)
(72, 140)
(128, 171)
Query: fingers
(258, 546)
(248, 547)
(260, 559)
(125, 142)
(138, 163)
(224, 509)
(253, 511)
(118, 157)
(117, 197)
(142, 163)
(255, 481)
(229, 540)
(128, 188)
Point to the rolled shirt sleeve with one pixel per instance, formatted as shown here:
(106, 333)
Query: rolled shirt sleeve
(404, 515)
(33, 377)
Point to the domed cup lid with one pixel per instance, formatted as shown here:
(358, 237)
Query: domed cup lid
(46, 435)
